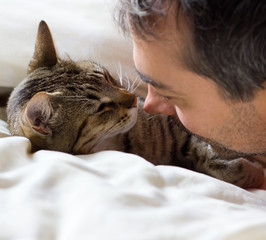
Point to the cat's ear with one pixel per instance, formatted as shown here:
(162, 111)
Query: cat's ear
(38, 113)
(44, 54)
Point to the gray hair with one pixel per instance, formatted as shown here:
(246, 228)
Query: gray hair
(228, 38)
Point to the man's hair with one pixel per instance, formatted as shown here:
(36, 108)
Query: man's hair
(228, 38)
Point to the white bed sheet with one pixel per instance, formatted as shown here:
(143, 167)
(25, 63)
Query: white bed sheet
(113, 195)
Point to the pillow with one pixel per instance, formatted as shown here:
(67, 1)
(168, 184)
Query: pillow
(82, 30)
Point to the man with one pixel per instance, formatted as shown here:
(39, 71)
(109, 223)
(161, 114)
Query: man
(204, 62)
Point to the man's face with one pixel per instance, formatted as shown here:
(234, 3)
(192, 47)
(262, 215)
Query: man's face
(232, 129)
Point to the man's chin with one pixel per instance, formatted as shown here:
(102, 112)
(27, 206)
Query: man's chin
(221, 150)
(224, 152)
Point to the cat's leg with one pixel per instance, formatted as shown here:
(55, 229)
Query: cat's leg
(240, 171)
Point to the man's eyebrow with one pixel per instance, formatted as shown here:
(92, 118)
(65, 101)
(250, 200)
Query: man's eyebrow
(150, 81)
(156, 84)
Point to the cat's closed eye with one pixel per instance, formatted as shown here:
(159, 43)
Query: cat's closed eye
(106, 106)
(92, 97)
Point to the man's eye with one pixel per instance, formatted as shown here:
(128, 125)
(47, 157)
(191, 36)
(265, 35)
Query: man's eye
(167, 98)
(161, 95)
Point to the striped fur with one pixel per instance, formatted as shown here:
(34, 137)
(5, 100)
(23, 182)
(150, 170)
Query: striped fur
(79, 108)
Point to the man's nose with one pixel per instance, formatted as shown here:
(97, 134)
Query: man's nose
(155, 103)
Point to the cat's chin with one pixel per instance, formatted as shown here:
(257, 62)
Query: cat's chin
(108, 141)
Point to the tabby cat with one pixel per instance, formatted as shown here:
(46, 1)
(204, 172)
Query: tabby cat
(79, 108)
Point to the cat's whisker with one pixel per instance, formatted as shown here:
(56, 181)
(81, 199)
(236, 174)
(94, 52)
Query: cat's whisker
(77, 100)
(152, 117)
(128, 84)
(132, 85)
(103, 137)
(119, 73)
(79, 97)
(82, 107)
(74, 98)
(139, 82)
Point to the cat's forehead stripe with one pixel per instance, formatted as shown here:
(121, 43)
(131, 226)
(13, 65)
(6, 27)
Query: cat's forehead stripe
(106, 99)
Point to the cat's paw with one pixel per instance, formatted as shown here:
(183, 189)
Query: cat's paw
(248, 174)
(240, 172)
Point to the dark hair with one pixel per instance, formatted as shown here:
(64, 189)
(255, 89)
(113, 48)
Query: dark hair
(228, 38)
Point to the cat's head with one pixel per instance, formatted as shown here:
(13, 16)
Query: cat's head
(61, 102)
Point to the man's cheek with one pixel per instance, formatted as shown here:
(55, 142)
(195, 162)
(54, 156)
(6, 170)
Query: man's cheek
(189, 121)
(181, 117)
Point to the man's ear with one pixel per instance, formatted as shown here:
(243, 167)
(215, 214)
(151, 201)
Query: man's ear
(44, 54)
(38, 113)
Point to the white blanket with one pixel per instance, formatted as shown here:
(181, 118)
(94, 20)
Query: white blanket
(113, 195)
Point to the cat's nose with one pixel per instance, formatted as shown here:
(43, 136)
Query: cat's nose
(128, 100)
